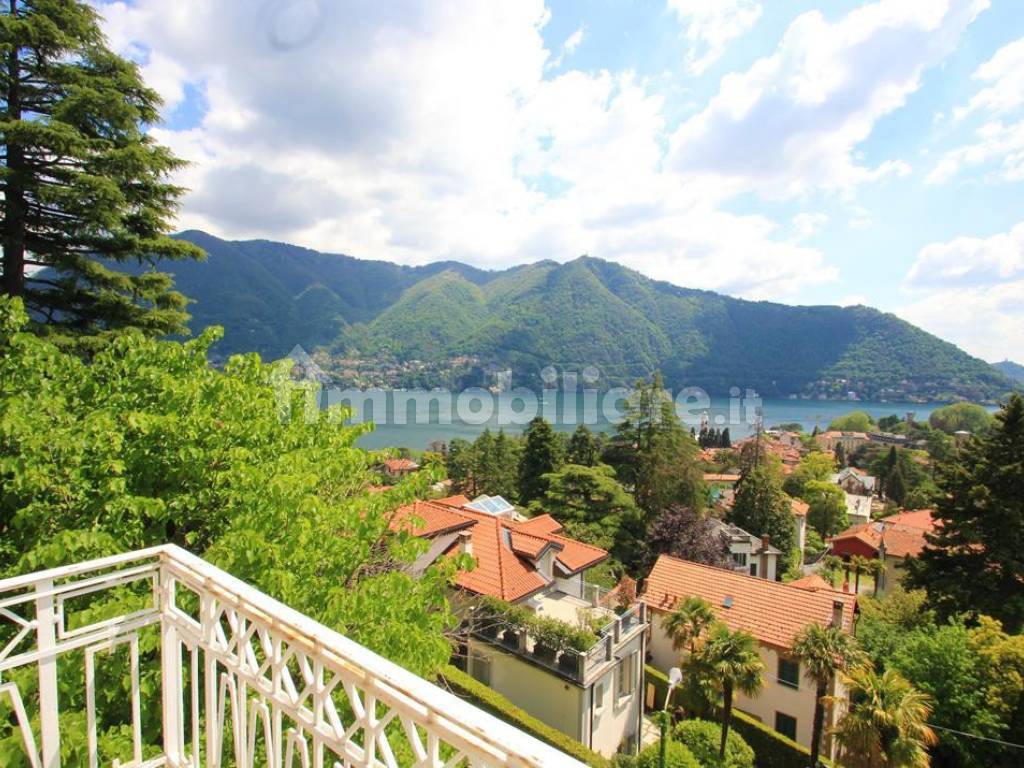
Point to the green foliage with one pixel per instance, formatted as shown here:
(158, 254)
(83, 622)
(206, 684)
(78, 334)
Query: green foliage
(885, 723)
(974, 676)
(583, 447)
(676, 756)
(761, 507)
(149, 444)
(974, 563)
(827, 513)
(552, 633)
(772, 749)
(814, 466)
(489, 700)
(541, 456)
(961, 416)
(594, 507)
(85, 185)
(487, 465)
(855, 421)
(702, 738)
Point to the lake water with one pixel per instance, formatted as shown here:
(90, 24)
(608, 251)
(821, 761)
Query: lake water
(429, 417)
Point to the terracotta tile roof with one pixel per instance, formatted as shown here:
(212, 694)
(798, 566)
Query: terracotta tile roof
(541, 524)
(428, 518)
(902, 534)
(812, 582)
(505, 550)
(457, 500)
(800, 507)
(770, 610)
(527, 544)
(399, 465)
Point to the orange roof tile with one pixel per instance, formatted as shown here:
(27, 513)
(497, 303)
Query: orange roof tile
(813, 582)
(712, 477)
(902, 534)
(396, 465)
(458, 500)
(800, 508)
(541, 524)
(505, 550)
(428, 518)
(770, 610)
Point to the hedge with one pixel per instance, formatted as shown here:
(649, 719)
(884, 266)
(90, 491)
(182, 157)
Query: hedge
(771, 748)
(489, 700)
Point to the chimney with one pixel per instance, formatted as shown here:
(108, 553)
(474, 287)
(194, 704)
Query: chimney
(837, 613)
(465, 542)
(766, 541)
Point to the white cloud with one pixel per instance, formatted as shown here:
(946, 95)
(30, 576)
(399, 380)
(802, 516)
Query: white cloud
(420, 131)
(1000, 137)
(792, 123)
(572, 42)
(710, 25)
(970, 290)
(808, 224)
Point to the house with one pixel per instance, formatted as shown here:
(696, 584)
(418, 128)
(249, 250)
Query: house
(855, 481)
(858, 509)
(850, 441)
(531, 571)
(891, 539)
(750, 554)
(399, 467)
(773, 612)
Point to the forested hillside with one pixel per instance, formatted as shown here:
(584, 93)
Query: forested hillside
(271, 296)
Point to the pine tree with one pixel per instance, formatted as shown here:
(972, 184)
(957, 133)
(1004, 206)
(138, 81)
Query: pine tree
(84, 186)
(974, 562)
(726, 441)
(653, 455)
(582, 447)
(541, 456)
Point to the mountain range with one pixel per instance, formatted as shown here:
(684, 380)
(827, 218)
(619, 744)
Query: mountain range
(271, 296)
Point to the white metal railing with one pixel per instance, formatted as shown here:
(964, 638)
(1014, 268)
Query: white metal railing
(262, 683)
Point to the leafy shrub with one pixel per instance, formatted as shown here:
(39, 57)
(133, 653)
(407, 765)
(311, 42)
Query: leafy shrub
(676, 756)
(703, 737)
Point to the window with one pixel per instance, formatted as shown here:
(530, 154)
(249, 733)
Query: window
(740, 558)
(626, 682)
(789, 673)
(480, 667)
(599, 697)
(753, 569)
(785, 725)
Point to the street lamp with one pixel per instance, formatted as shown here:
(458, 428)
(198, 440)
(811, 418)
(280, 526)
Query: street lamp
(675, 677)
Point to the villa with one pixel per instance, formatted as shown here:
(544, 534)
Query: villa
(773, 612)
(750, 554)
(535, 630)
(891, 539)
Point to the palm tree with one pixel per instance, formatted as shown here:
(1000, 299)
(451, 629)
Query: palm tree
(824, 652)
(688, 623)
(886, 723)
(729, 661)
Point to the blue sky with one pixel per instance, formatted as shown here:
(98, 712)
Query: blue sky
(805, 152)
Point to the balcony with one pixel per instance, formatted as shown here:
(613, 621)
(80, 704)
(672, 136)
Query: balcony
(214, 672)
(581, 665)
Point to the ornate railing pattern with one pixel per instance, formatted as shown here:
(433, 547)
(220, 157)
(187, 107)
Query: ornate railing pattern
(244, 680)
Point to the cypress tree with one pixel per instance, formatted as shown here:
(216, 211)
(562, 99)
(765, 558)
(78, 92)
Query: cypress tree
(84, 186)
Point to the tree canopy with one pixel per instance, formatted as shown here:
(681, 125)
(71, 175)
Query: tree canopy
(85, 186)
(961, 416)
(974, 562)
